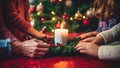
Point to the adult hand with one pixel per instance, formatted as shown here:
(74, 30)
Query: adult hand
(33, 48)
(90, 39)
(88, 48)
(87, 35)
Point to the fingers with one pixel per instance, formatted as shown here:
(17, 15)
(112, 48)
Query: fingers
(41, 43)
(42, 50)
(39, 54)
(88, 39)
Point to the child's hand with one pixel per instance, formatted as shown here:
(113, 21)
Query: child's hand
(88, 48)
(87, 35)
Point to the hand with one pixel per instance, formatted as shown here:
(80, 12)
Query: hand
(89, 34)
(33, 48)
(90, 39)
(88, 48)
(98, 40)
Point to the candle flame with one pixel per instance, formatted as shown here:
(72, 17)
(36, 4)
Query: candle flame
(62, 26)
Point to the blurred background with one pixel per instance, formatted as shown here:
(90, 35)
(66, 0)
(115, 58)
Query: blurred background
(74, 15)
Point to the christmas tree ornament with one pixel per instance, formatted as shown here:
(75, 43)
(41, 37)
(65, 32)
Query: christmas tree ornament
(40, 7)
(64, 24)
(85, 22)
(58, 25)
(38, 13)
(43, 19)
(54, 1)
(78, 16)
(33, 24)
(65, 16)
(68, 3)
(53, 13)
(31, 18)
(32, 9)
(90, 13)
(54, 19)
(43, 30)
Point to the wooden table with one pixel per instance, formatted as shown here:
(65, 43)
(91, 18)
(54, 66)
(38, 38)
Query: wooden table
(82, 61)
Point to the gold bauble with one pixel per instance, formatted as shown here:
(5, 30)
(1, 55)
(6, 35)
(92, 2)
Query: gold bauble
(78, 16)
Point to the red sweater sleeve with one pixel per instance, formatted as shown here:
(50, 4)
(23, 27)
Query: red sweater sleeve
(13, 17)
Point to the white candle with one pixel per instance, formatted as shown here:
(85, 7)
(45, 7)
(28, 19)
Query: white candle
(61, 36)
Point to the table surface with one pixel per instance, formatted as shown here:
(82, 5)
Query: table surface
(82, 61)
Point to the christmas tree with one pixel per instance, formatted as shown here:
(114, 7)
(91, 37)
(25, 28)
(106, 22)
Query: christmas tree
(77, 15)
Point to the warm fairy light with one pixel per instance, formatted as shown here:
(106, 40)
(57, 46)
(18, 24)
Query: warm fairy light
(53, 30)
(84, 17)
(71, 18)
(52, 12)
(60, 0)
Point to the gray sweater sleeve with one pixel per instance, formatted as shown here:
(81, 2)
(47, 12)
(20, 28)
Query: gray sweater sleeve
(109, 51)
(111, 34)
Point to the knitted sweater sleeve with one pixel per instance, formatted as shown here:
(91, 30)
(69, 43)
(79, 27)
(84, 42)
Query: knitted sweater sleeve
(109, 51)
(111, 34)
(12, 16)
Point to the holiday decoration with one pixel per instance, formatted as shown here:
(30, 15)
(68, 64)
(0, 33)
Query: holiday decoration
(86, 22)
(49, 12)
(32, 9)
(65, 16)
(78, 16)
(64, 50)
(64, 24)
(33, 23)
(68, 3)
(90, 13)
(43, 30)
(43, 19)
(58, 25)
(52, 12)
(40, 8)
(54, 1)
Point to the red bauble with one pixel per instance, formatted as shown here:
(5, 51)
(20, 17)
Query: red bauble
(65, 16)
(86, 22)
(32, 9)
(58, 25)
(43, 19)
(54, 1)
(43, 30)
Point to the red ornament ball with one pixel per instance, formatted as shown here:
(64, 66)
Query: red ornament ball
(58, 25)
(43, 30)
(54, 1)
(43, 19)
(32, 9)
(65, 16)
(86, 22)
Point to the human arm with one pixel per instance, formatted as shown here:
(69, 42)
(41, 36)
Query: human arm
(5, 47)
(16, 19)
(89, 34)
(108, 35)
(30, 48)
(103, 52)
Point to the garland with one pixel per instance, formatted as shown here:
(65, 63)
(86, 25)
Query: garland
(63, 50)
